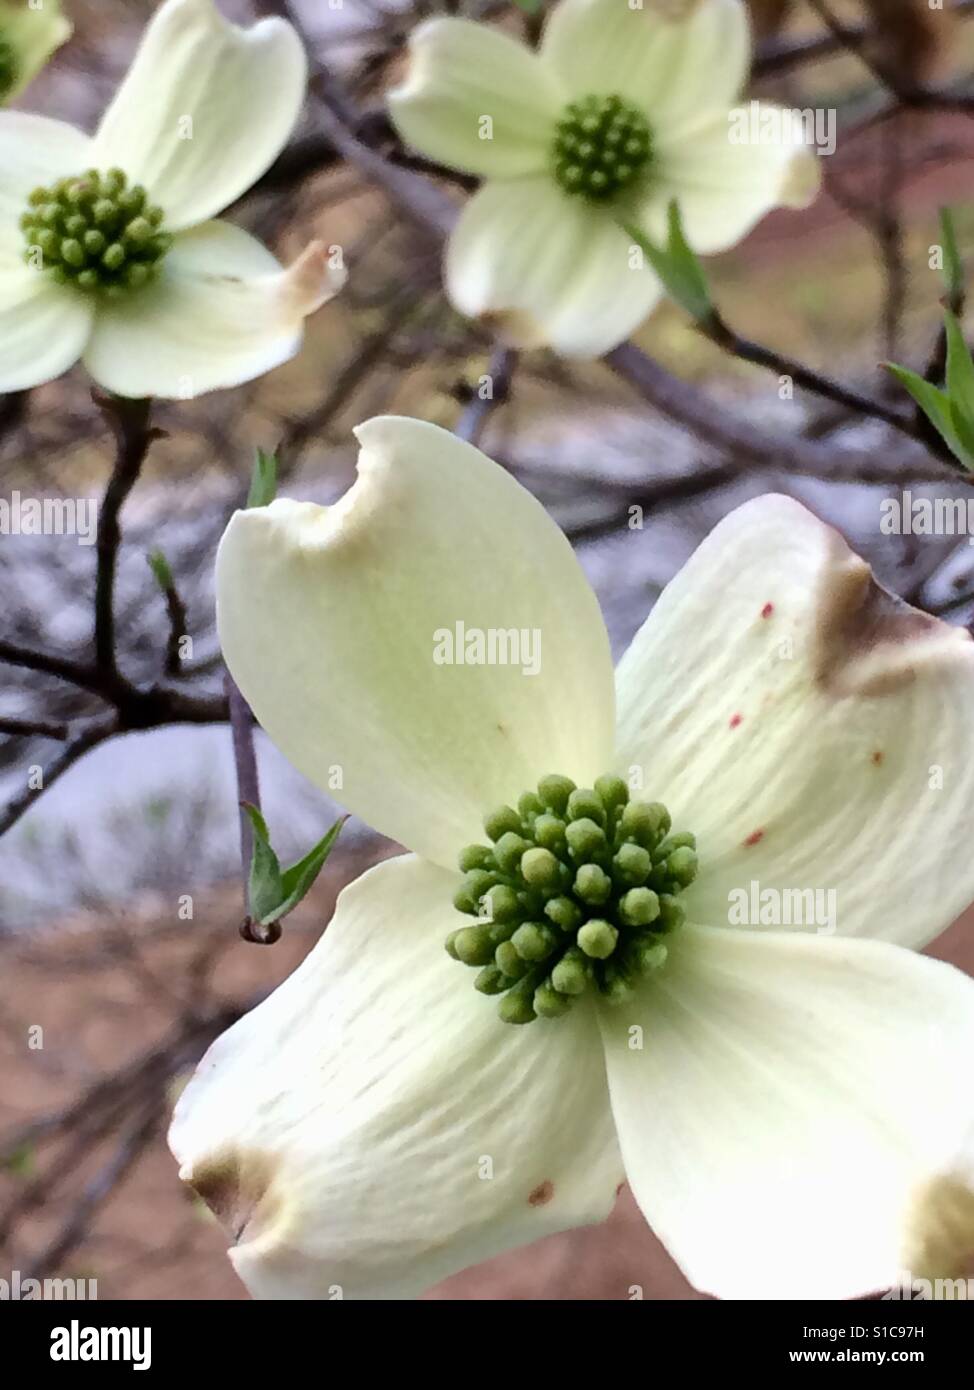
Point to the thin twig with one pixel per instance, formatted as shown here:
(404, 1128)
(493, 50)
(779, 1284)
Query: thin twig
(474, 419)
(130, 424)
(39, 728)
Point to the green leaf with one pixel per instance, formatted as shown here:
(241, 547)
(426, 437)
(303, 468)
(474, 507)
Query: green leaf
(274, 893)
(953, 266)
(300, 877)
(263, 480)
(265, 888)
(159, 566)
(960, 368)
(936, 405)
(677, 266)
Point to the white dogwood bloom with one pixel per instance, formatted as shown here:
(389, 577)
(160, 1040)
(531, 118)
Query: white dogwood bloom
(29, 34)
(781, 1100)
(622, 110)
(108, 250)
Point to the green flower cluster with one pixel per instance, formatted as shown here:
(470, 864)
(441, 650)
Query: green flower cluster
(601, 146)
(95, 232)
(577, 891)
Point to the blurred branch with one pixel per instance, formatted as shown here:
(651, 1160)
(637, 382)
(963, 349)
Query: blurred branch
(909, 94)
(500, 374)
(133, 436)
(684, 403)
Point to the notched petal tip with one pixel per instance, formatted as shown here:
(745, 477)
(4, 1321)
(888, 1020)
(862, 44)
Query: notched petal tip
(237, 1186)
(869, 641)
(314, 278)
(802, 180)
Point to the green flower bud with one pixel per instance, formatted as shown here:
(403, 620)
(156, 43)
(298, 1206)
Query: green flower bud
(502, 904)
(508, 851)
(517, 1005)
(572, 973)
(507, 960)
(473, 945)
(540, 869)
(592, 885)
(598, 939)
(475, 857)
(612, 792)
(586, 840)
(554, 791)
(534, 941)
(549, 833)
(529, 806)
(639, 907)
(548, 1003)
(682, 866)
(586, 804)
(491, 981)
(631, 864)
(502, 821)
(564, 912)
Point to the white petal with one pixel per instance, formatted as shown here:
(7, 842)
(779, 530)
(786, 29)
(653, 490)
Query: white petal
(791, 1102)
(332, 620)
(33, 33)
(476, 99)
(43, 327)
(814, 733)
(373, 1127)
(540, 267)
(35, 152)
(222, 312)
(204, 110)
(724, 185)
(679, 62)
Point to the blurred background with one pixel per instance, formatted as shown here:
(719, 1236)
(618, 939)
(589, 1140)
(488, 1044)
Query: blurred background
(120, 885)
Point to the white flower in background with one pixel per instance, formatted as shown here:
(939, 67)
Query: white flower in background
(107, 248)
(622, 110)
(28, 37)
(780, 1101)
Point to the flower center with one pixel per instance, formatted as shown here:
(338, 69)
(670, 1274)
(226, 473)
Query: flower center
(9, 67)
(95, 232)
(601, 146)
(577, 892)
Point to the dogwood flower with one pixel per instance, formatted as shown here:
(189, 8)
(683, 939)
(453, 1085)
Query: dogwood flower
(624, 109)
(29, 34)
(782, 1100)
(108, 250)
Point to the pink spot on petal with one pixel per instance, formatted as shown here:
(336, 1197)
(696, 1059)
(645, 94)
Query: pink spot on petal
(542, 1193)
(767, 610)
(755, 837)
(735, 720)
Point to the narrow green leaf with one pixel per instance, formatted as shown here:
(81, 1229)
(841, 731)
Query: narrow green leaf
(960, 368)
(677, 266)
(935, 404)
(159, 566)
(265, 888)
(263, 480)
(953, 266)
(297, 881)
